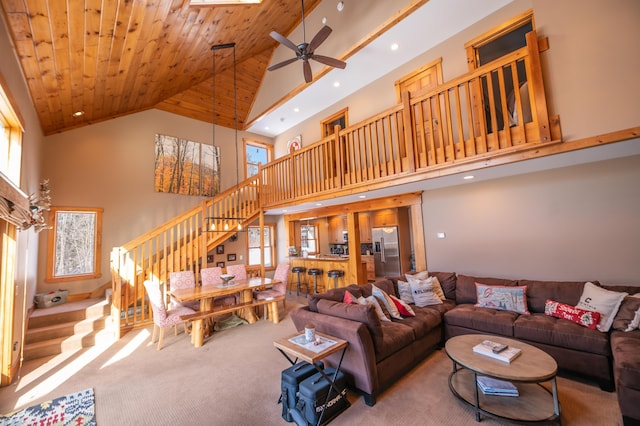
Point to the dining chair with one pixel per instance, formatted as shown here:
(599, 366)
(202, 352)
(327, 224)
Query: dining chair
(162, 317)
(240, 271)
(280, 289)
(211, 276)
(183, 279)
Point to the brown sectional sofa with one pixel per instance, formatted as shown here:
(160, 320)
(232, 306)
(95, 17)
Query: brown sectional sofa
(381, 352)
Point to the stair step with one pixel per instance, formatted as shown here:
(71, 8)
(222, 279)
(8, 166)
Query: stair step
(73, 311)
(67, 329)
(59, 345)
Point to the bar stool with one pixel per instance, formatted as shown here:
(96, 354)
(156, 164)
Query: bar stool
(335, 274)
(314, 272)
(298, 270)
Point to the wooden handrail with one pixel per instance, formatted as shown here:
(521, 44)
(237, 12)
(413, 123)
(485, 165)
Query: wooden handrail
(496, 109)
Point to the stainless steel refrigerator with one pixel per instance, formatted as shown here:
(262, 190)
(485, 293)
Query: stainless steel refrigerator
(386, 251)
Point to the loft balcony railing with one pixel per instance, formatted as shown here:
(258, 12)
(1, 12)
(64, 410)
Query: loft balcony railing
(497, 109)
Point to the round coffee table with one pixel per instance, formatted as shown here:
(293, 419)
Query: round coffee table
(528, 371)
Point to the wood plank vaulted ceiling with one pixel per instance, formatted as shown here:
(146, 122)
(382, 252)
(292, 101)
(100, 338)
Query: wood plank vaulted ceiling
(110, 58)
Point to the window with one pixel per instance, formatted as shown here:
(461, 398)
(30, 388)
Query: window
(74, 244)
(256, 153)
(309, 238)
(341, 118)
(253, 241)
(10, 138)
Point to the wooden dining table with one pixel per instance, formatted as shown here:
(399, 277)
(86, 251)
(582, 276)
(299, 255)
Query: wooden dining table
(207, 293)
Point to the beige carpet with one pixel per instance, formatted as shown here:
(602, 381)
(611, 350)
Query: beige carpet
(234, 379)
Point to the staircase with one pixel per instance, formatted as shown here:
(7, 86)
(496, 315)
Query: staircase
(68, 327)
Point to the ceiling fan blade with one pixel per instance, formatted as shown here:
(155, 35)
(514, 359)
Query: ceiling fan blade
(284, 41)
(308, 76)
(332, 62)
(282, 64)
(319, 38)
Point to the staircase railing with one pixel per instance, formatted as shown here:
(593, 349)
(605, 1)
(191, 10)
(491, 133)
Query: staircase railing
(178, 245)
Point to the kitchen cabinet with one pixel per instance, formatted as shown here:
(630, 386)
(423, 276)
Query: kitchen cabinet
(386, 217)
(371, 267)
(337, 226)
(364, 222)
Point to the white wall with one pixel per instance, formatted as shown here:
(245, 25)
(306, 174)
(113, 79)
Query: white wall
(574, 223)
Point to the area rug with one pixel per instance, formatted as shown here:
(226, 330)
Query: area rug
(76, 409)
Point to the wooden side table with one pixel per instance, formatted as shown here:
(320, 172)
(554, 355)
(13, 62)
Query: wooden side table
(295, 352)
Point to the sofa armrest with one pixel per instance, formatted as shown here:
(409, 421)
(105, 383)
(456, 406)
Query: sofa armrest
(359, 359)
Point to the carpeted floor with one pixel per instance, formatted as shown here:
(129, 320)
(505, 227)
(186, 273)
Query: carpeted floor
(234, 379)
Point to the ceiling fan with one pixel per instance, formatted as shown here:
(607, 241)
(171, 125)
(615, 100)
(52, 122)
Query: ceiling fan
(305, 51)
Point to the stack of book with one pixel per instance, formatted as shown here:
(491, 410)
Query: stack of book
(497, 350)
(491, 386)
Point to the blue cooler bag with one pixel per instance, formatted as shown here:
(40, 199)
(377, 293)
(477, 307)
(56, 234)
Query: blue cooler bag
(312, 397)
(291, 378)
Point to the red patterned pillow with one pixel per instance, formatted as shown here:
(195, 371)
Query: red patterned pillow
(403, 307)
(348, 298)
(589, 319)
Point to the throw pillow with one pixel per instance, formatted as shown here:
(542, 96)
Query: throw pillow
(628, 315)
(403, 307)
(512, 299)
(404, 290)
(376, 306)
(583, 317)
(386, 300)
(423, 293)
(424, 275)
(349, 298)
(606, 302)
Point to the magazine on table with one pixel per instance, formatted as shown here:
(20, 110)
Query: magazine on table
(491, 386)
(497, 350)
(319, 345)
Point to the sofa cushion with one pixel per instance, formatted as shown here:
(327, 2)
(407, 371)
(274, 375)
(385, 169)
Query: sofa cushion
(361, 313)
(335, 294)
(424, 321)
(581, 317)
(626, 355)
(561, 291)
(485, 320)
(552, 331)
(403, 307)
(606, 302)
(404, 290)
(447, 282)
(512, 298)
(395, 336)
(386, 299)
(372, 301)
(466, 287)
(628, 315)
(423, 292)
(383, 284)
(420, 276)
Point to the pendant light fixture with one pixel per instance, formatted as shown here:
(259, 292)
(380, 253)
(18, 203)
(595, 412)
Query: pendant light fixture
(229, 221)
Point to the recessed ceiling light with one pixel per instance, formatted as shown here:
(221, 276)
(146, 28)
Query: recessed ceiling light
(318, 204)
(467, 177)
(266, 127)
(78, 114)
(362, 196)
(324, 20)
(336, 84)
(340, 6)
(394, 46)
(296, 110)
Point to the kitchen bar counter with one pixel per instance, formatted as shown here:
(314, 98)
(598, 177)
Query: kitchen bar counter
(326, 263)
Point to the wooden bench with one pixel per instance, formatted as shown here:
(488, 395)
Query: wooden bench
(198, 318)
